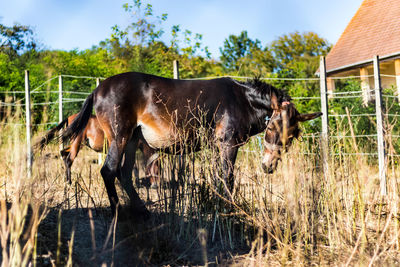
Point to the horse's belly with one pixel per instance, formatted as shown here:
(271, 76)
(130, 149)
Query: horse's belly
(156, 137)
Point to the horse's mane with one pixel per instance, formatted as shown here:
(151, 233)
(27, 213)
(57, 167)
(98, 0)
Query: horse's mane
(264, 88)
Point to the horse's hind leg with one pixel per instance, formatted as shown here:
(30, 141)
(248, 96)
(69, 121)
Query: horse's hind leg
(69, 154)
(67, 162)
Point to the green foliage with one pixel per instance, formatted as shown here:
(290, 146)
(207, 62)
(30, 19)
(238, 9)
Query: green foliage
(294, 55)
(291, 50)
(96, 62)
(242, 52)
(11, 77)
(17, 50)
(362, 125)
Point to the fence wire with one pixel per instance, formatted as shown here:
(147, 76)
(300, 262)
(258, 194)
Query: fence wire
(75, 97)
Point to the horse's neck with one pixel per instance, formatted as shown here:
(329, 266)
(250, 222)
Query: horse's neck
(261, 110)
(260, 103)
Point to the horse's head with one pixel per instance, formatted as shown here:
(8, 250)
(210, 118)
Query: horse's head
(282, 128)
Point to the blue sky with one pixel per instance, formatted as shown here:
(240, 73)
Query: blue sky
(70, 24)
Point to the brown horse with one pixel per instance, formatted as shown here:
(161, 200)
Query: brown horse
(165, 109)
(93, 136)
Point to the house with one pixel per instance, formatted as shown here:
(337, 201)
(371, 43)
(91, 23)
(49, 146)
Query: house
(374, 30)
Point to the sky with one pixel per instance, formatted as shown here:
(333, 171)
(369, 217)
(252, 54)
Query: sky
(80, 24)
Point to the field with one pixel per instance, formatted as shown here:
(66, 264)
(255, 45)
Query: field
(296, 216)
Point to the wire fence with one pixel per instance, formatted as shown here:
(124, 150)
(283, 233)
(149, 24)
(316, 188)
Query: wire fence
(331, 95)
(47, 96)
(360, 112)
(76, 96)
(351, 115)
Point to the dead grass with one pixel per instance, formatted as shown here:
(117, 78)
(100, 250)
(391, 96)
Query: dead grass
(296, 216)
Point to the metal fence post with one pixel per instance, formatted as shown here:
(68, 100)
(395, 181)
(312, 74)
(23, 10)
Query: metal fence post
(60, 105)
(176, 69)
(60, 99)
(324, 109)
(379, 126)
(29, 153)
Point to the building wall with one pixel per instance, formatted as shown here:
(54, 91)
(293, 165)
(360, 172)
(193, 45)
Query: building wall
(387, 68)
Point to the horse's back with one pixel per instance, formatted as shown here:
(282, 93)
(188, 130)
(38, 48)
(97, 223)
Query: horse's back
(133, 92)
(129, 82)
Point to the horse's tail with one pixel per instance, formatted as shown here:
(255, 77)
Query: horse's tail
(49, 135)
(77, 127)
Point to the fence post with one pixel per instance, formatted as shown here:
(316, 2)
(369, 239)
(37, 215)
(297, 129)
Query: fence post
(60, 105)
(379, 126)
(28, 124)
(176, 69)
(324, 109)
(60, 99)
(100, 154)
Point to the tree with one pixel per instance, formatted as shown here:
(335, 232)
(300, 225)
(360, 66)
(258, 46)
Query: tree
(16, 39)
(145, 28)
(17, 52)
(236, 48)
(299, 53)
(259, 62)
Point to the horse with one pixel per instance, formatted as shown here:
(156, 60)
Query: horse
(93, 136)
(164, 109)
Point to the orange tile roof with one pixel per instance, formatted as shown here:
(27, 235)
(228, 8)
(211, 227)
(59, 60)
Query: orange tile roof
(374, 30)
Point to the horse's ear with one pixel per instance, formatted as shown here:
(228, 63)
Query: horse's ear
(307, 117)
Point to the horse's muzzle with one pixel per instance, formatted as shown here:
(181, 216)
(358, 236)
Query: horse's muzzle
(268, 169)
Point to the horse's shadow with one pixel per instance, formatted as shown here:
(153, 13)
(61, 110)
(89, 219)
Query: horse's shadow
(129, 242)
(166, 238)
(97, 238)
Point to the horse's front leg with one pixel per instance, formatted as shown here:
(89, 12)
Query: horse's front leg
(228, 154)
(125, 176)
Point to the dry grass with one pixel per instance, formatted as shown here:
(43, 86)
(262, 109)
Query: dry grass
(296, 216)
